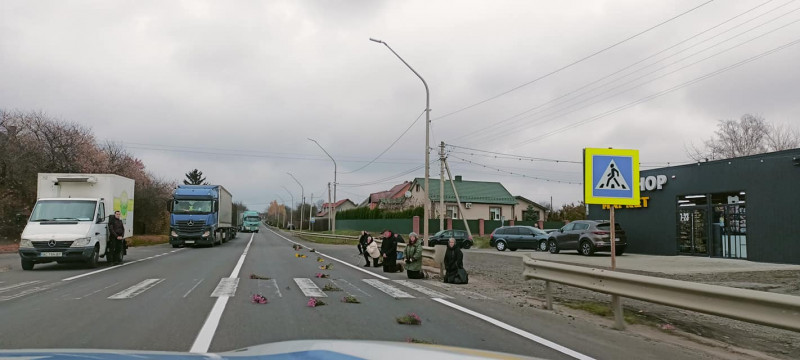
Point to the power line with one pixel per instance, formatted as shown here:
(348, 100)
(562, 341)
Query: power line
(513, 173)
(575, 62)
(386, 179)
(515, 156)
(494, 126)
(389, 147)
(664, 92)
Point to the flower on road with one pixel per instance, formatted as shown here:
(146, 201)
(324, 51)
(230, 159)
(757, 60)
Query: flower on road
(314, 302)
(331, 287)
(326, 267)
(259, 277)
(299, 256)
(259, 299)
(319, 259)
(322, 276)
(350, 300)
(410, 319)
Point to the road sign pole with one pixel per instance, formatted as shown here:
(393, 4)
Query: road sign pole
(613, 241)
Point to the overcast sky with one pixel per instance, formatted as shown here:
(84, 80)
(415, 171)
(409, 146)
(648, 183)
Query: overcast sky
(236, 88)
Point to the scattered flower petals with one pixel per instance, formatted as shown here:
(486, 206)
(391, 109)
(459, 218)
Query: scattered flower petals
(259, 299)
(314, 302)
(410, 319)
(350, 300)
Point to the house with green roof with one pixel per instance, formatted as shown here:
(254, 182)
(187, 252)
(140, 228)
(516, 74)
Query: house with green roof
(486, 200)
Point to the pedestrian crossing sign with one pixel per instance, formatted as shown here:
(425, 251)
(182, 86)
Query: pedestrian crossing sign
(611, 176)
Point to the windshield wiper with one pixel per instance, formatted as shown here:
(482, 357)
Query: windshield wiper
(42, 220)
(73, 219)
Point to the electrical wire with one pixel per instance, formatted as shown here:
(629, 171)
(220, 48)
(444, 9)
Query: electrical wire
(515, 156)
(663, 92)
(574, 62)
(389, 147)
(494, 125)
(514, 173)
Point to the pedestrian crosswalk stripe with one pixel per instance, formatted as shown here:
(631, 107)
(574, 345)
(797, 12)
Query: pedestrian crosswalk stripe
(466, 293)
(18, 285)
(388, 289)
(136, 289)
(422, 289)
(226, 287)
(309, 288)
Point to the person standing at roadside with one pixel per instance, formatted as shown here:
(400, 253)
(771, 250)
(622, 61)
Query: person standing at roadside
(116, 233)
(413, 257)
(389, 251)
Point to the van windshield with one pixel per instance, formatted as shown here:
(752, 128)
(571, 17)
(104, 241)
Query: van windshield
(55, 210)
(252, 218)
(191, 206)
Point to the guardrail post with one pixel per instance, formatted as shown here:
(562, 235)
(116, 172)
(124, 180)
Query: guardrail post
(548, 293)
(619, 316)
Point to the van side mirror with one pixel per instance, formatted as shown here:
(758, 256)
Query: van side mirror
(20, 218)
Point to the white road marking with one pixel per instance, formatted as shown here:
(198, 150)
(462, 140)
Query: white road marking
(331, 257)
(96, 291)
(466, 293)
(203, 340)
(518, 331)
(309, 288)
(272, 283)
(18, 285)
(226, 287)
(388, 289)
(349, 285)
(28, 291)
(117, 266)
(136, 289)
(195, 285)
(422, 289)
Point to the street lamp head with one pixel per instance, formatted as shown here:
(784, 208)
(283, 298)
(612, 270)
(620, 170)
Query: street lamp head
(376, 40)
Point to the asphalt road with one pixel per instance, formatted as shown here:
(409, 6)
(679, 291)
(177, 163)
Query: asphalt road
(199, 299)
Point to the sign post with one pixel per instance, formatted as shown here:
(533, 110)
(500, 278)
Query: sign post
(611, 177)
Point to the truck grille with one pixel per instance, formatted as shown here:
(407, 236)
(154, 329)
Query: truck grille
(46, 245)
(184, 226)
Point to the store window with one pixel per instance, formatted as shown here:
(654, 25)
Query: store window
(495, 213)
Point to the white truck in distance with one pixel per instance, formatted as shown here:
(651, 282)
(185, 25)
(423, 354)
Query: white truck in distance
(69, 222)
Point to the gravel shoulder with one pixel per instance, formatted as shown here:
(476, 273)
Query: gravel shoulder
(717, 337)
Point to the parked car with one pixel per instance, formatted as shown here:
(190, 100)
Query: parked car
(518, 237)
(442, 237)
(587, 237)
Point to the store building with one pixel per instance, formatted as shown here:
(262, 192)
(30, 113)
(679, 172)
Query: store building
(745, 208)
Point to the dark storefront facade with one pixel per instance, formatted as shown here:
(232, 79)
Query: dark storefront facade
(744, 208)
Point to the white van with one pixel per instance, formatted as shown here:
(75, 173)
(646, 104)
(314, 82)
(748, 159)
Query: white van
(69, 222)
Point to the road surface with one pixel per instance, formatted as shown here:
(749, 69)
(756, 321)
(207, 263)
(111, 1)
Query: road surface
(199, 299)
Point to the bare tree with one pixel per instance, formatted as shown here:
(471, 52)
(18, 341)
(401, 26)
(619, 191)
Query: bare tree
(782, 137)
(750, 135)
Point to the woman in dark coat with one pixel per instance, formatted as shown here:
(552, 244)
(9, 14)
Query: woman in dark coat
(362, 243)
(453, 261)
(389, 251)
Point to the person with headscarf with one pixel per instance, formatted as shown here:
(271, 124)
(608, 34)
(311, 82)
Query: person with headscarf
(454, 264)
(413, 257)
(371, 251)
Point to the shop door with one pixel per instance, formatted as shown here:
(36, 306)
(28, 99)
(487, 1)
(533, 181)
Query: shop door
(692, 231)
(730, 231)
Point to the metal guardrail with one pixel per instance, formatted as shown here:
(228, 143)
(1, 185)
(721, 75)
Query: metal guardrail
(771, 309)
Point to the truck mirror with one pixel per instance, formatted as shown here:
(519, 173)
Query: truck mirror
(216, 206)
(170, 205)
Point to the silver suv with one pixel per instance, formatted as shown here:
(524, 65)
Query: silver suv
(587, 236)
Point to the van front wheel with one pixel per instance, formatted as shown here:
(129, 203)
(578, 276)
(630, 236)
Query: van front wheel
(27, 265)
(94, 258)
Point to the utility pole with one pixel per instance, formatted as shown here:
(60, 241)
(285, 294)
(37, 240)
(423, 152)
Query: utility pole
(330, 207)
(441, 189)
(458, 200)
(291, 211)
(302, 199)
(310, 209)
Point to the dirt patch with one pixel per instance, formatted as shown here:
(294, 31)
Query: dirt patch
(501, 278)
(147, 240)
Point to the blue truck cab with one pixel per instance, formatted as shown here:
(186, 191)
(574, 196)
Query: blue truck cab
(200, 215)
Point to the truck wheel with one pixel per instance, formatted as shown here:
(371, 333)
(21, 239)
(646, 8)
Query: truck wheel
(27, 265)
(94, 258)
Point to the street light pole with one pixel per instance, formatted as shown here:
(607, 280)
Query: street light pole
(302, 199)
(283, 207)
(291, 210)
(427, 141)
(332, 206)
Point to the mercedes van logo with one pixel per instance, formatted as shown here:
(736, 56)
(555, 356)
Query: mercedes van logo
(190, 223)
(51, 243)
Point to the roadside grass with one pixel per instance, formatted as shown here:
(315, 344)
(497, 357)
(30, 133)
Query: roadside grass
(323, 240)
(147, 240)
(604, 310)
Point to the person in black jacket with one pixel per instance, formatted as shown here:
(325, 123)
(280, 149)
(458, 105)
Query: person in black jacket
(453, 262)
(116, 235)
(389, 251)
(362, 242)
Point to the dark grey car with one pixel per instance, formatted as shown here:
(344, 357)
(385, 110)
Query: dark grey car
(442, 237)
(518, 237)
(587, 236)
